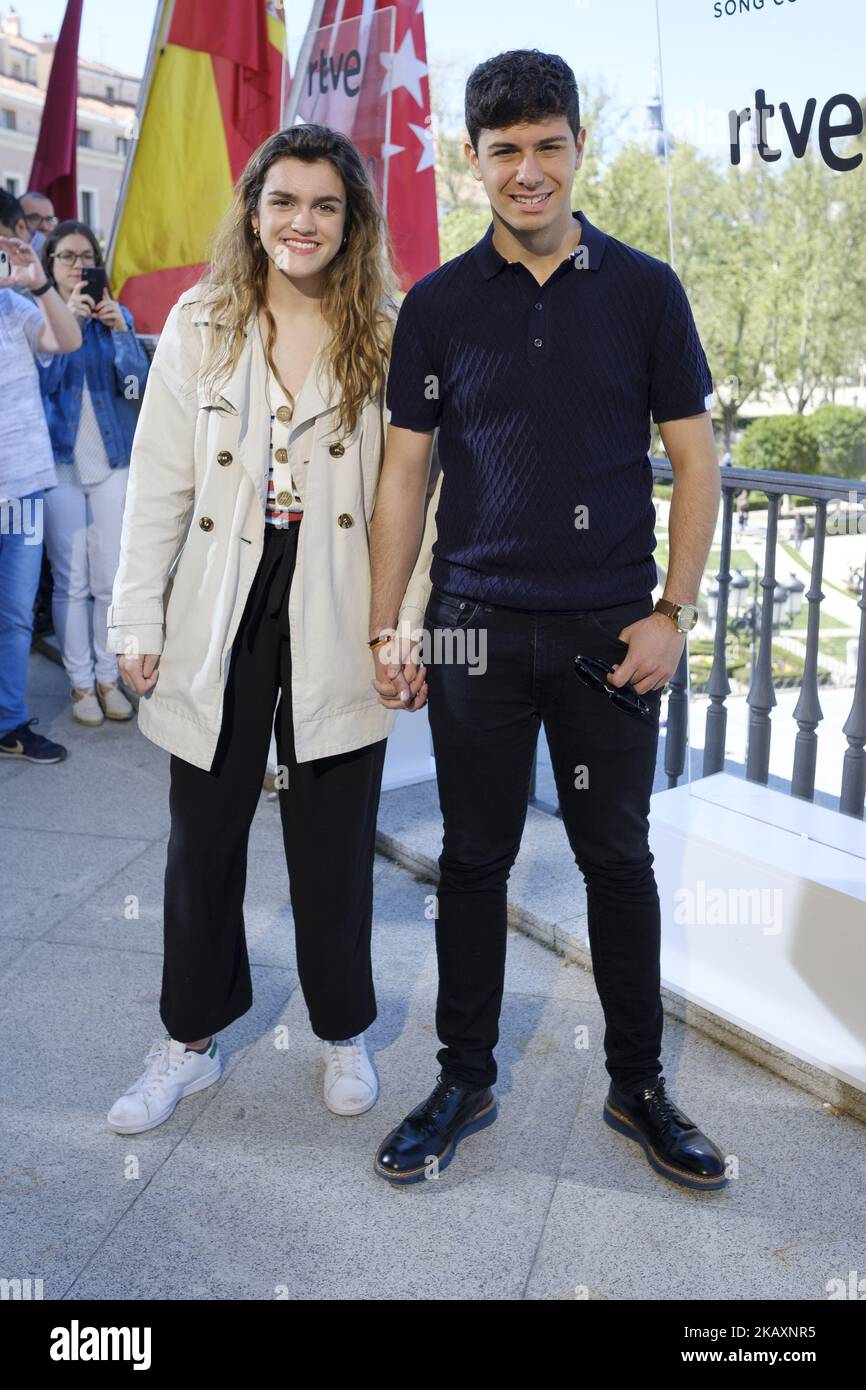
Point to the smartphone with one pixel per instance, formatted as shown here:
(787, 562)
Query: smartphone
(97, 281)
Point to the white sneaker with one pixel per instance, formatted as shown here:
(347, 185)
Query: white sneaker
(86, 707)
(351, 1084)
(113, 702)
(170, 1074)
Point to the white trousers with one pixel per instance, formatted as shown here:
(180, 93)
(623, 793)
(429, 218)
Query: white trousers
(82, 539)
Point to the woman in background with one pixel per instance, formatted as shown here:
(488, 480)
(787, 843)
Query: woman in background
(91, 404)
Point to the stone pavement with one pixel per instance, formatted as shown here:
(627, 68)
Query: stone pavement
(253, 1190)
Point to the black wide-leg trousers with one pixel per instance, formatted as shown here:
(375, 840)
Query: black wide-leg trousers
(328, 810)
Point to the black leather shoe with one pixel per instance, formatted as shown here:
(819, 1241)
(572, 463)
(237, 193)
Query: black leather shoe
(674, 1146)
(434, 1129)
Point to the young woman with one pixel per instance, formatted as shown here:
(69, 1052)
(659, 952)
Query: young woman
(244, 577)
(91, 402)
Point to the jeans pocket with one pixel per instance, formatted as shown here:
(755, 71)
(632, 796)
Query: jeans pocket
(611, 621)
(449, 610)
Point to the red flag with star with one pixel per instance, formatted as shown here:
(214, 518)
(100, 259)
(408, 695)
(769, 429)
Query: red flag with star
(363, 70)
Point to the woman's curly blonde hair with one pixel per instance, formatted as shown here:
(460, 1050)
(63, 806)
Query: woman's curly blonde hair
(359, 304)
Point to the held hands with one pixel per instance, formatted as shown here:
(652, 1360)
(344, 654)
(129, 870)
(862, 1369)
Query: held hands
(400, 679)
(655, 646)
(140, 673)
(24, 264)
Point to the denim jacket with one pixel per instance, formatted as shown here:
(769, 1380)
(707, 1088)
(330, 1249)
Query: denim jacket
(116, 366)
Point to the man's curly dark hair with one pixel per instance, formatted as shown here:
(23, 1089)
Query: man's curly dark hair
(521, 85)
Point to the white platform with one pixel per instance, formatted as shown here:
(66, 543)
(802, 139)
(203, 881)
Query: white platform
(764, 916)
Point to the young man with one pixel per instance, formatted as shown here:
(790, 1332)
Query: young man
(540, 355)
(42, 325)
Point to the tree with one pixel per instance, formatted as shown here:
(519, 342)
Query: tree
(812, 247)
(781, 443)
(719, 221)
(840, 433)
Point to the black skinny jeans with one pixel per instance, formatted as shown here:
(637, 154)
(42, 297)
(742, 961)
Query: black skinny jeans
(485, 727)
(328, 813)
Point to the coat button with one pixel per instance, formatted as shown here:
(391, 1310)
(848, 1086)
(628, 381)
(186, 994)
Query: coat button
(206, 524)
(281, 455)
(336, 451)
(284, 498)
(224, 458)
(284, 413)
(345, 520)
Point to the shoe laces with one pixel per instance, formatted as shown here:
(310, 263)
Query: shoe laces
(436, 1100)
(157, 1065)
(347, 1056)
(660, 1102)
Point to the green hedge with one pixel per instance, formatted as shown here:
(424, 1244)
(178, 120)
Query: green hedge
(830, 442)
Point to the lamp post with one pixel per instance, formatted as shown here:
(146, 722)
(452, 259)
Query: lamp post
(796, 589)
(754, 624)
(712, 602)
(739, 587)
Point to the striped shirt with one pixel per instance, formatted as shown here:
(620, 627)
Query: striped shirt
(287, 467)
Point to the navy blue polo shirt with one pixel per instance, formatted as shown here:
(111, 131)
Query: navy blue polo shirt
(542, 395)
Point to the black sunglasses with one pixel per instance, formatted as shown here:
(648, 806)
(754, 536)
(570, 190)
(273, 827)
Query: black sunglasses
(592, 670)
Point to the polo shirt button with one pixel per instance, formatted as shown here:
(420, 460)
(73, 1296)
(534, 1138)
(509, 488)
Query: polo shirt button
(206, 524)
(538, 342)
(284, 413)
(539, 305)
(336, 451)
(284, 498)
(344, 519)
(281, 455)
(224, 458)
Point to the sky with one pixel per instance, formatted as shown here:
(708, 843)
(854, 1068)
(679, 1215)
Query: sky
(793, 48)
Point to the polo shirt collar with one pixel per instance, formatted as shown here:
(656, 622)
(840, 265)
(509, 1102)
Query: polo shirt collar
(490, 261)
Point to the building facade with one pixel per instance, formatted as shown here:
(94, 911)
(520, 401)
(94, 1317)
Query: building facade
(107, 101)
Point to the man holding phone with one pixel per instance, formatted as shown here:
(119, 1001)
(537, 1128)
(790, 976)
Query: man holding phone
(540, 356)
(31, 329)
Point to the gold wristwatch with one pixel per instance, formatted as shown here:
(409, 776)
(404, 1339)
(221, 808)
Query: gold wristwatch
(685, 615)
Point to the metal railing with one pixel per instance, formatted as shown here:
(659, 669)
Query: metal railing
(761, 696)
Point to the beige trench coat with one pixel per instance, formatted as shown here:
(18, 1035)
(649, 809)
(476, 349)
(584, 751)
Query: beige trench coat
(193, 534)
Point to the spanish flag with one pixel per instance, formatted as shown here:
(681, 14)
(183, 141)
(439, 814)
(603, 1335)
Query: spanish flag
(212, 93)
